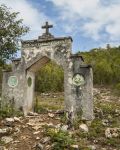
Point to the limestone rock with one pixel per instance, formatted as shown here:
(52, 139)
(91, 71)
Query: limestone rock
(39, 146)
(51, 115)
(117, 112)
(92, 147)
(17, 119)
(96, 91)
(6, 139)
(36, 132)
(2, 148)
(48, 147)
(75, 147)
(105, 122)
(37, 138)
(84, 127)
(112, 132)
(95, 141)
(50, 124)
(9, 122)
(32, 114)
(5, 131)
(9, 119)
(58, 126)
(60, 112)
(17, 130)
(64, 128)
(98, 112)
(45, 140)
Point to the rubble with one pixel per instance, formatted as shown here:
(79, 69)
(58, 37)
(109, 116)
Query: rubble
(45, 140)
(6, 139)
(51, 115)
(64, 128)
(6, 131)
(75, 147)
(112, 132)
(84, 127)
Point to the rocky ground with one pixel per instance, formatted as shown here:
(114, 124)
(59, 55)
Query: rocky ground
(48, 130)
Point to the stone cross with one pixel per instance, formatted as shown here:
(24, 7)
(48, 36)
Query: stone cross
(47, 26)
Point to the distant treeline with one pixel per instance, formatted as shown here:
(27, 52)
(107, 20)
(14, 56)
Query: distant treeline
(106, 65)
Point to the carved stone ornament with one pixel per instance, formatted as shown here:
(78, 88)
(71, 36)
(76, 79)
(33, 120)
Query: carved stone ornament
(13, 81)
(78, 80)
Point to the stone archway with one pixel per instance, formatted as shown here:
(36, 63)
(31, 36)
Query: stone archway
(31, 75)
(37, 54)
(78, 82)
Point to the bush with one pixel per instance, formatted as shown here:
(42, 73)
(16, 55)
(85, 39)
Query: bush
(8, 110)
(61, 140)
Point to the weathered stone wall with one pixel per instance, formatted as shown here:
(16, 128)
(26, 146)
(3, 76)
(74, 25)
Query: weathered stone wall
(16, 94)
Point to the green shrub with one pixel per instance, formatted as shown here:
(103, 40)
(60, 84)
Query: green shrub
(96, 129)
(61, 140)
(8, 110)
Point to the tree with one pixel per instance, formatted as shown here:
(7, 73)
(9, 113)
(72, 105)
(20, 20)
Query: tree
(106, 65)
(50, 78)
(11, 30)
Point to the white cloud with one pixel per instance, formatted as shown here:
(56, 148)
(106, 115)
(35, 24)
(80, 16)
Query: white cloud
(30, 15)
(99, 18)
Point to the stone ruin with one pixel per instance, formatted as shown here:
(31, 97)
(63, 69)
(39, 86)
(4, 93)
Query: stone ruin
(18, 85)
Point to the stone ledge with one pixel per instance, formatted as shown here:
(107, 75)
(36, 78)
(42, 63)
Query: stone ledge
(46, 40)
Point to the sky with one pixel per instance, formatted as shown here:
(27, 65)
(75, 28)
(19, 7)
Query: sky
(90, 23)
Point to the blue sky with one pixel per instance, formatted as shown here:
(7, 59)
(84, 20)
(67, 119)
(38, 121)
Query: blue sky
(91, 23)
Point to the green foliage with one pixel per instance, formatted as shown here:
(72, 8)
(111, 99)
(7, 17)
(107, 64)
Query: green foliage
(115, 142)
(108, 107)
(110, 113)
(11, 30)
(106, 65)
(38, 108)
(8, 110)
(96, 129)
(61, 140)
(42, 105)
(63, 118)
(49, 78)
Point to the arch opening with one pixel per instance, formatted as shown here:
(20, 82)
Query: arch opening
(45, 86)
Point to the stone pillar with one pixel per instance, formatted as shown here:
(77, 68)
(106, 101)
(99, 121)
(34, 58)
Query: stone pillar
(82, 88)
(29, 98)
(69, 100)
(13, 89)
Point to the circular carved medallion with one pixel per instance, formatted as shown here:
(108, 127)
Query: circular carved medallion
(13, 81)
(78, 80)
